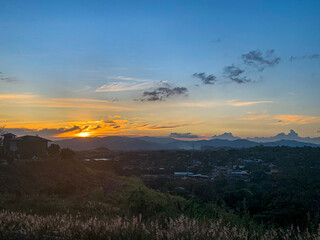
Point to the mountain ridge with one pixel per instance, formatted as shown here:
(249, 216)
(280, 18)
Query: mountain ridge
(122, 143)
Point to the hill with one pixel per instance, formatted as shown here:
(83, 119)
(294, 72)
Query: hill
(117, 143)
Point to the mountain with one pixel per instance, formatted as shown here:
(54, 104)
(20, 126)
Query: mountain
(163, 140)
(289, 143)
(292, 135)
(116, 143)
(112, 142)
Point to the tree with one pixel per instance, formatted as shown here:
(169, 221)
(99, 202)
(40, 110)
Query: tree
(2, 130)
(54, 150)
(67, 153)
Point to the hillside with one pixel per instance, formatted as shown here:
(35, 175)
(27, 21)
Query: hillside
(53, 186)
(117, 143)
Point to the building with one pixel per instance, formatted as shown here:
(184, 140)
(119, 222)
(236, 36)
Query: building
(13, 147)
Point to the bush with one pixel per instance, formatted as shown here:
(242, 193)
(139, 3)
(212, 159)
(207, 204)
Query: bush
(54, 150)
(67, 153)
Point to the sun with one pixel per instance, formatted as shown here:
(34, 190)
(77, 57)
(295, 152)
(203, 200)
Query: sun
(84, 134)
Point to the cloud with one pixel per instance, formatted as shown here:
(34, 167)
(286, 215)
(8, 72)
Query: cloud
(310, 57)
(7, 79)
(123, 86)
(129, 84)
(46, 132)
(206, 79)
(183, 135)
(158, 127)
(31, 100)
(256, 117)
(233, 73)
(236, 103)
(284, 119)
(217, 40)
(162, 93)
(295, 119)
(259, 60)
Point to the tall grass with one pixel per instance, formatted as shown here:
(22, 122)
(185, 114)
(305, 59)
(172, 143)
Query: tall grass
(14, 225)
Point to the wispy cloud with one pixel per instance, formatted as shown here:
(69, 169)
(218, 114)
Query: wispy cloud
(235, 74)
(7, 79)
(163, 93)
(295, 119)
(129, 84)
(237, 103)
(206, 79)
(31, 100)
(158, 127)
(284, 119)
(310, 57)
(123, 86)
(259, 60)
(183, 135)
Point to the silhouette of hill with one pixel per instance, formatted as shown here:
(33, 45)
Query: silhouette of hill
(292, 135)
(116, 143)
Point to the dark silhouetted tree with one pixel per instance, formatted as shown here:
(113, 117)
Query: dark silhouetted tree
(54, 150)
(2, 130)
(67, 153)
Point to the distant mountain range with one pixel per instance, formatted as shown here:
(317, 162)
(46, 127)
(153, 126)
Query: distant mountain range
(226, 140)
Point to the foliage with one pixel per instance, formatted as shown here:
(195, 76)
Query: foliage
(67, 153)
(54, 150)
(27, 226)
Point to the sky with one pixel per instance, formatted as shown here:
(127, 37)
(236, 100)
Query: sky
(135, 68)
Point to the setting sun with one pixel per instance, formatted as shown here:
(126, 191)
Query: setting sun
(84, 134)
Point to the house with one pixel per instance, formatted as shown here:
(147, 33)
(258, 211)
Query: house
(182, 175)
(23, 147)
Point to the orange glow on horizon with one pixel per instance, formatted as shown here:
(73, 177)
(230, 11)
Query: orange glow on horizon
(84, 134)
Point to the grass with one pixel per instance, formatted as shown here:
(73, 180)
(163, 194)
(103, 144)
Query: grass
(49, 199)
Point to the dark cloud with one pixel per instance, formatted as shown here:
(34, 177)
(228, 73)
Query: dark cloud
(183, 135)
(97, 127)
(54, 131)
(157, 127)
(259, 60)
(7, 79)
(162, 93)
(234, 73)
(206, 79)
(217, 40)
(45, 132)
(311, 56)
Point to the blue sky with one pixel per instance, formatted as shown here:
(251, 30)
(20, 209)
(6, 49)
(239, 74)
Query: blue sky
(69, 49)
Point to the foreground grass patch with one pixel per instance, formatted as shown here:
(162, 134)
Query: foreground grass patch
(14, 225)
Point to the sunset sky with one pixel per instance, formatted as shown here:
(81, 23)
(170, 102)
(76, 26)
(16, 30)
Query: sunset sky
(98, 68)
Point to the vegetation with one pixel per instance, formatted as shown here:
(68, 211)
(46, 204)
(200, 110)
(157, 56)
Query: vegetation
(72, 199)
(67, 153)
(54, 150)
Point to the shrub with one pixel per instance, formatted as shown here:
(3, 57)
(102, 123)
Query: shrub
(54, 150)
(67, 153)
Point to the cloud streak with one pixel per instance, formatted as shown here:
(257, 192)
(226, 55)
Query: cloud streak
(295, 119)
(31, 100)
(7, 79)
(129, 84)
(309, 57)
(236, 103)
(206, 79)
(183, 135)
